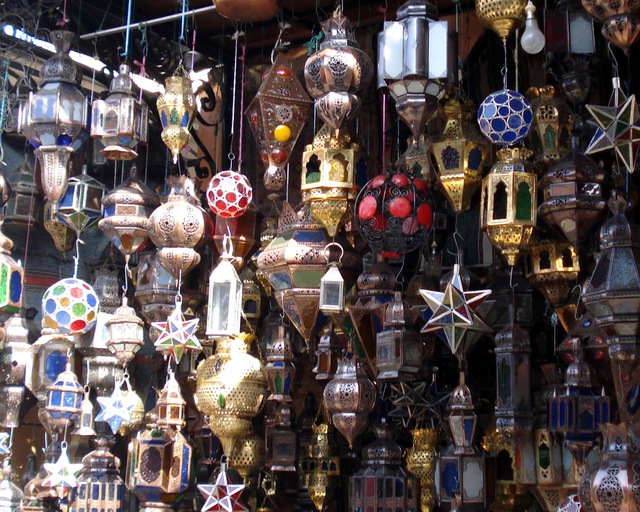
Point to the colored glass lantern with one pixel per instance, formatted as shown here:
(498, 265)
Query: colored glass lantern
(417, 56)
(280, 370)
(55, 116)
(394, 213)
(120, 121)
(63, 236)
(244, 232)
(461, 154)
(11, 280)
(505, 117)
(328, 181)
(337, 72)
(349, 397)
(24, 207)
(569, 29)
(126, 210)
(509, 203)
(383, 483)
(398, 345)
(171, 406)
(64, 399)
(70, 306)
(81, 205)
(100, 488)
(125, 333)
(552, 124)
(276, 116)
(229, 194)
(224, 307)
(176, 106)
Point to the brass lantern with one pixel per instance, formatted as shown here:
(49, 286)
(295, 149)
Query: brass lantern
(398, 345)
(63, 236)
(100, 488)
(224, 308)
(509, 202)
(81, 205)
(125, 333)
(461, 154)
(171, 405)
(120, 121)
(276, 116)
(251, 298)
(501, 16)
(328, 178)
(323, 464)
(24, 207)
(280, 370)
(176, 106)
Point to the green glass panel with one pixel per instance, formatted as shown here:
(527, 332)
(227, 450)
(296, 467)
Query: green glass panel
(278, 382)
(544, 457)
(307, 278)
(523, 202)
(4, 284)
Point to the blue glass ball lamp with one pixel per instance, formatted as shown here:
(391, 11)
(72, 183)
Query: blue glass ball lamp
(505, 117)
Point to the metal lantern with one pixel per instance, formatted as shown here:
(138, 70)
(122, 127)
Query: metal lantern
(63, 236)
(417, 56)
(349, 397)
(86, 423)
(552, 124)
(620, 21)
(108, 287)
(126, 210)
(329, 178)
(328, 353)
(573, 195)
(125, 333)
(100, 488)
(55, 115)
(16, 370)
(171, 405)
(70, 306)
(501, 16)
(251, 298)
(337, 72)
(462, 465)
(569, 29)
(81, 205)
(398, 345)
(224, 307)
(248, 457)
(11, 280)
(383, 483)
(461, 154)
(509, 203)
(64, 399)
(10, 494)
(281, 441)
(276, 116)
(176, 106)
(280, 370)
(24, 207)
(156, 289)
(323, 464)
(120, 121)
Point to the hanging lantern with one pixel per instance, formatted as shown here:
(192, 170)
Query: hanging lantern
(55, 115)
(85, 424)
(417, 159)
(135, 406)
(417, 56)
(324, 464)
(10, 494)
(569, 29)
(171, 406)
(120, 121)
(505, 117)
(573, 195)
(328, 179)
(70, 306)
(460, 154)
(81, 206)
(619, 21)
(100, 488)
(461, 464)
(177, 335)
(224, 308)
(337, 72)
(11, 279)
(24, 207)
(552, 124)
(394, 213)
(398, 345)
(328, 353)
(349, 397)
(16, 370)
(383, 483)
(421, 461)
(251, 298)
(176, 106)
(63, 236)
(126, 210)
(509, 203)
(106, 283)
(501, 17)
(125, 333)
(64, 399)
(178, 226)
(276, 116)
(281, 442)
(229, 194)
(156, 289)
(280, 370)
(332, 283)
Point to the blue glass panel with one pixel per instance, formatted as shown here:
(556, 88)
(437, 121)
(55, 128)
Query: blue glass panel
(15, 287)
(498, 124)
(55, 365)
(305, 236)
(450, 479)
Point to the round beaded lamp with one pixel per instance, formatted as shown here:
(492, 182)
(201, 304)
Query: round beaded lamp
(70, 306)
(505, 117)
(229, 194)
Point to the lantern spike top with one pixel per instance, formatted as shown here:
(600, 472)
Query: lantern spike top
(60, 67)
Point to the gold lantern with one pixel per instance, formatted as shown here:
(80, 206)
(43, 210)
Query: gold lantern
(176, 106)
(501, 16)
(231, 387)
(248, 456)
(323, 464)
(251, 298)
(171, 405)
(552, 124)
(461, 154)
(421, 461)
(509, 202)
(63, 236)
(328, 178)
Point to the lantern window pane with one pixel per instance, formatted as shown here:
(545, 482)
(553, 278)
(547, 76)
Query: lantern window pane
(473, 480)
(544, 456)
(450, 479)
(331, 294)
(523, 202)
(555, 34)
(500, 202)
(581, 27)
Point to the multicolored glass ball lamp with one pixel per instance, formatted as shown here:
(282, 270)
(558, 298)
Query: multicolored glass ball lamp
(505, 117)
(70, 306)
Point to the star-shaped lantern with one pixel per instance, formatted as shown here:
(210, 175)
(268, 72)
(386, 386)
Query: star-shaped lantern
(617, 127)
(454, 311)
(5, 445)
(222, 496)
(177, 334)
(62, 473)
(116, 409)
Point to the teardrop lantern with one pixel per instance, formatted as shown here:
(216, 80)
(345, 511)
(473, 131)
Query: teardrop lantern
(176, 106)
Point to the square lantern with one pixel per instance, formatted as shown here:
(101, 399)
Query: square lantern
(24, 207)
(569, 30)
(462, 475)
(224, 310)
(332, 290)
(283, 442)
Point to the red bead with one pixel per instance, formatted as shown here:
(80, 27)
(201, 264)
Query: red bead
(279, 156)
(420, 185)
(378, 181)
(254, 118)
(400, 180)
(425, 215)
(368, 207)
(283, 71)
(400, 207)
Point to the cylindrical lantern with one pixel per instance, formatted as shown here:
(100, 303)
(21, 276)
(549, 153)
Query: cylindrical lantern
(176, 106)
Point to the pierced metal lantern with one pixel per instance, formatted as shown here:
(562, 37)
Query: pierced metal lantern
(125, 333)
(322, 464)
(349, 397)
(276, 116)
(552, 124)
(280, 370)
(619, 20)
(24, 207)
(81, 205)
(337, 72)
(55, 115)
(251, 298)
(70, 306)
(120, 121)
(328, 178)
(383, 483)
(176, 106)
(509, 203)
(126, 210)
(460, 154)
(107, 285)
(156, 289)
(63, 236)
(64, 399)
(224, 307)
(500, 16)
(572, 195)
(417, 56)
(100, 488)
(398, 345)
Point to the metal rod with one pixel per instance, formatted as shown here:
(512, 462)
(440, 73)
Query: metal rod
(142, 24)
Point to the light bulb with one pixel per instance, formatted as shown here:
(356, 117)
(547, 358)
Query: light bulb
(532, 39)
